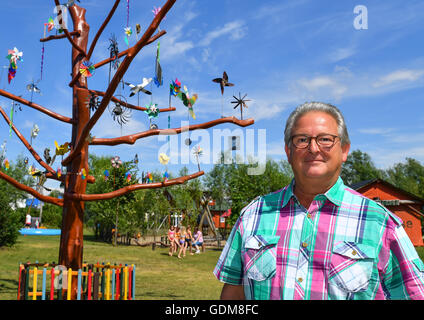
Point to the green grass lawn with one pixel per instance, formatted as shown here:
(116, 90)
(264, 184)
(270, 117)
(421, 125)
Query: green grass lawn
(158, 276)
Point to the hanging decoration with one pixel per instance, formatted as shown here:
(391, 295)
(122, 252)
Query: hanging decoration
(12, 108)
(6, 164)
(135, 89)
(106, 175)
(34, 132)
(119, 113)
(223, 82)
(163, 159)
(113, 51)
(188, 101)
(135, 159)
(93, 102)
(62, 149)
(13, 56)
(128, 176)
(116, 162)
(128, 33)
(240, 102)
(87, 69)
(198, 152)
(137, 30)
(152, 110)
(158, 69)
(32, 87)
(83, 174)
(165, 176)
(59, 172)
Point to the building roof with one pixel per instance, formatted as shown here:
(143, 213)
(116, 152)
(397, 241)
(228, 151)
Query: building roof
(362, 184)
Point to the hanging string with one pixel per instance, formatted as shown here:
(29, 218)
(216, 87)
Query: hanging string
(42, 55)
(128, 13)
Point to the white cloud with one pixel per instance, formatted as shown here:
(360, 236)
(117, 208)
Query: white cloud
(320, 83)
(399, 76)
(235, 29)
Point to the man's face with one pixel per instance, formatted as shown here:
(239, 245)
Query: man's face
(315, 162)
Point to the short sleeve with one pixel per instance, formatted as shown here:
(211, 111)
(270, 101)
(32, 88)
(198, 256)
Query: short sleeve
(404, 274)
(229, 268)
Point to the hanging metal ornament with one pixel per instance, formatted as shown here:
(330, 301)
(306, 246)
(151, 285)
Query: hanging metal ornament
(119, 113)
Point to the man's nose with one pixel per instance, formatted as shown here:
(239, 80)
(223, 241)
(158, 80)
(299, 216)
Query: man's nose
(313, 146)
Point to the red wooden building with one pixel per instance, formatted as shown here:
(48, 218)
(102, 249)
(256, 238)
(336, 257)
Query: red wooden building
(403, 204)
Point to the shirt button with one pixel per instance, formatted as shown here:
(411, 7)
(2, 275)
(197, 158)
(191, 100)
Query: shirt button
(354, 253)
(309, 215)
(300, 279)
(304, 244)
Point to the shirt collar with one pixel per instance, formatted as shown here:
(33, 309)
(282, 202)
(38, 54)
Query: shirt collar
(334, 194)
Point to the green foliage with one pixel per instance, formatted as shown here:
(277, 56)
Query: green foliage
(12, 220)
(359, 167)
(408, 176)
(103, 215)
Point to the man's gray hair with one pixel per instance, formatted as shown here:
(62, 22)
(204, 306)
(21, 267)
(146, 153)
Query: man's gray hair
(317, 106)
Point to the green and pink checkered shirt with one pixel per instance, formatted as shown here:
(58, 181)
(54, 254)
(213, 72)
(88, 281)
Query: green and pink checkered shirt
(345, 247)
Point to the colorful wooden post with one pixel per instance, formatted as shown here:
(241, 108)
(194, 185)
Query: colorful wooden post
(43, 290)
(79, 284)
(52, 284)
(125, 282)
(90, 275)
(34, 284)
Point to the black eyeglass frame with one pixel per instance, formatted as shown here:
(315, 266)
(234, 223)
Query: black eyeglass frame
(316, 140)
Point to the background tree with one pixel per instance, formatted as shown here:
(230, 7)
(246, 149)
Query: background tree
(408, 176)
(359, 167)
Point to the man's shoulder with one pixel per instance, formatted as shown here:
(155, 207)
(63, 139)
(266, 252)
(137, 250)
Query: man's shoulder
(352, 198)
(264, 203)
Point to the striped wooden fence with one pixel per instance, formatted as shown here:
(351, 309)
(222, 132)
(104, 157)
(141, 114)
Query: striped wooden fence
(95, 282)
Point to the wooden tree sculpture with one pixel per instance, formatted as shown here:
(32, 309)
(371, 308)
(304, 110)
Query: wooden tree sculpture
(71, 240)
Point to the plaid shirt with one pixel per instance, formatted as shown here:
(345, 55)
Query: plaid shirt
(345, 247)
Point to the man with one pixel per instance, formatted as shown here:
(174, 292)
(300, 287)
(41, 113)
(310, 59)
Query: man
(316, 238)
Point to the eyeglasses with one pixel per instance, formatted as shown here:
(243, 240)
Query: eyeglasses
(302, 141)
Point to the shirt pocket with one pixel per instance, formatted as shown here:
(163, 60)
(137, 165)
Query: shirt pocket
(260, 253)
(420, 266)
(350, 267)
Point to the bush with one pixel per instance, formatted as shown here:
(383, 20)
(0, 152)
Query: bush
(10, 225)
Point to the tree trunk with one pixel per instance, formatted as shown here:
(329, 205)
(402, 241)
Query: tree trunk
(71, 239)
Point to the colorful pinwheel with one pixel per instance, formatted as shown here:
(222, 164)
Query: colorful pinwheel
(116, 162)
(6, 164)
(83, 174)
(165, 176)
(49, 24)
(62, 149)
(175, 87)
(106, 175)
(128, 176)
(163, 159)
(198, 152)
(87, 69)
(152, 110)
(13, 56)
(188, 101)
(128, 33)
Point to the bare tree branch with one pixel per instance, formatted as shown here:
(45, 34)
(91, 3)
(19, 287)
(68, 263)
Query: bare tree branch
(131, 139)
(59, 36)
(128, 105)
(123, 67)
(121, 54)
(20, 186)
(28, 146)
(131, 188)
(99, 32)
(36, 106)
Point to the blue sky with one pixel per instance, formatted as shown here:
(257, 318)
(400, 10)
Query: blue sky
(281, 53)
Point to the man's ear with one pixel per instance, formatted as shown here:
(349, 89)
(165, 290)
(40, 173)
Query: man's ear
(288, 152)
(345, 152)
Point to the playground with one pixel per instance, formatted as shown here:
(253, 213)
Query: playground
(158, 276)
